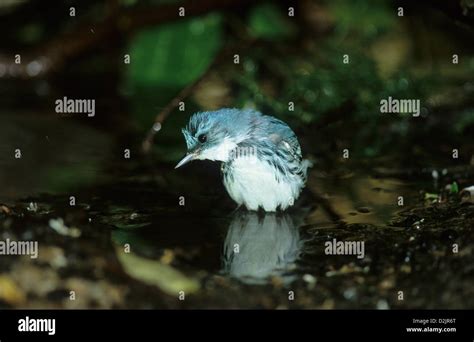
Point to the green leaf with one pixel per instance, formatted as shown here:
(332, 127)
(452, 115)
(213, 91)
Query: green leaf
(175, 54)
(364, 18)
(166, 59)
(430, 196)
(268, 21)
(153, 272)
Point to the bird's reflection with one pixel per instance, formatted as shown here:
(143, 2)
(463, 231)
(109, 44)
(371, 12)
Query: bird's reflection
(258, 246)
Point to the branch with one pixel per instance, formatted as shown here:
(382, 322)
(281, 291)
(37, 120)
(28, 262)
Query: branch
(188, 90)
(85, 37)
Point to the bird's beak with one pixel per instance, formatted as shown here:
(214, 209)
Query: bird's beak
(189, 157)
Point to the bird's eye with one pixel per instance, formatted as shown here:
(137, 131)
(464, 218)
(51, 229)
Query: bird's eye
(202, 138)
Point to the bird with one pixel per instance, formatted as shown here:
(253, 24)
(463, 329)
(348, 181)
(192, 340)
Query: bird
(259, 246)
(261, 160)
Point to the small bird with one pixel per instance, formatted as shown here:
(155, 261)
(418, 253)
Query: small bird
(262, 166)
(268, 245)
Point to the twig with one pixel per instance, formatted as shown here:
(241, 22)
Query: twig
(327, 207)
(188, 90)
(161, 117)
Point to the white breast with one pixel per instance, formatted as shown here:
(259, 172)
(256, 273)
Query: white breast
(266, 245)
(254, 185)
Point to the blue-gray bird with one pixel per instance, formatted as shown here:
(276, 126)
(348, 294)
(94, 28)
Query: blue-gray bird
(261, 158)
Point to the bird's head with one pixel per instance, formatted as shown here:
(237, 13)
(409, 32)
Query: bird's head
(214, 135)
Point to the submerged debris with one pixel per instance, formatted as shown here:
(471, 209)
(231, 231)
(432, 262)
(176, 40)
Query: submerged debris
(156, 273)
(33, 206)
(467, 194)
(60, 228)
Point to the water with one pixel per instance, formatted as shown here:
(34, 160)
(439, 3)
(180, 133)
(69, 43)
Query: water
(149, 234)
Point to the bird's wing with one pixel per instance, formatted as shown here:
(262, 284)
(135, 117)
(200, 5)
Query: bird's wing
(283, 138)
